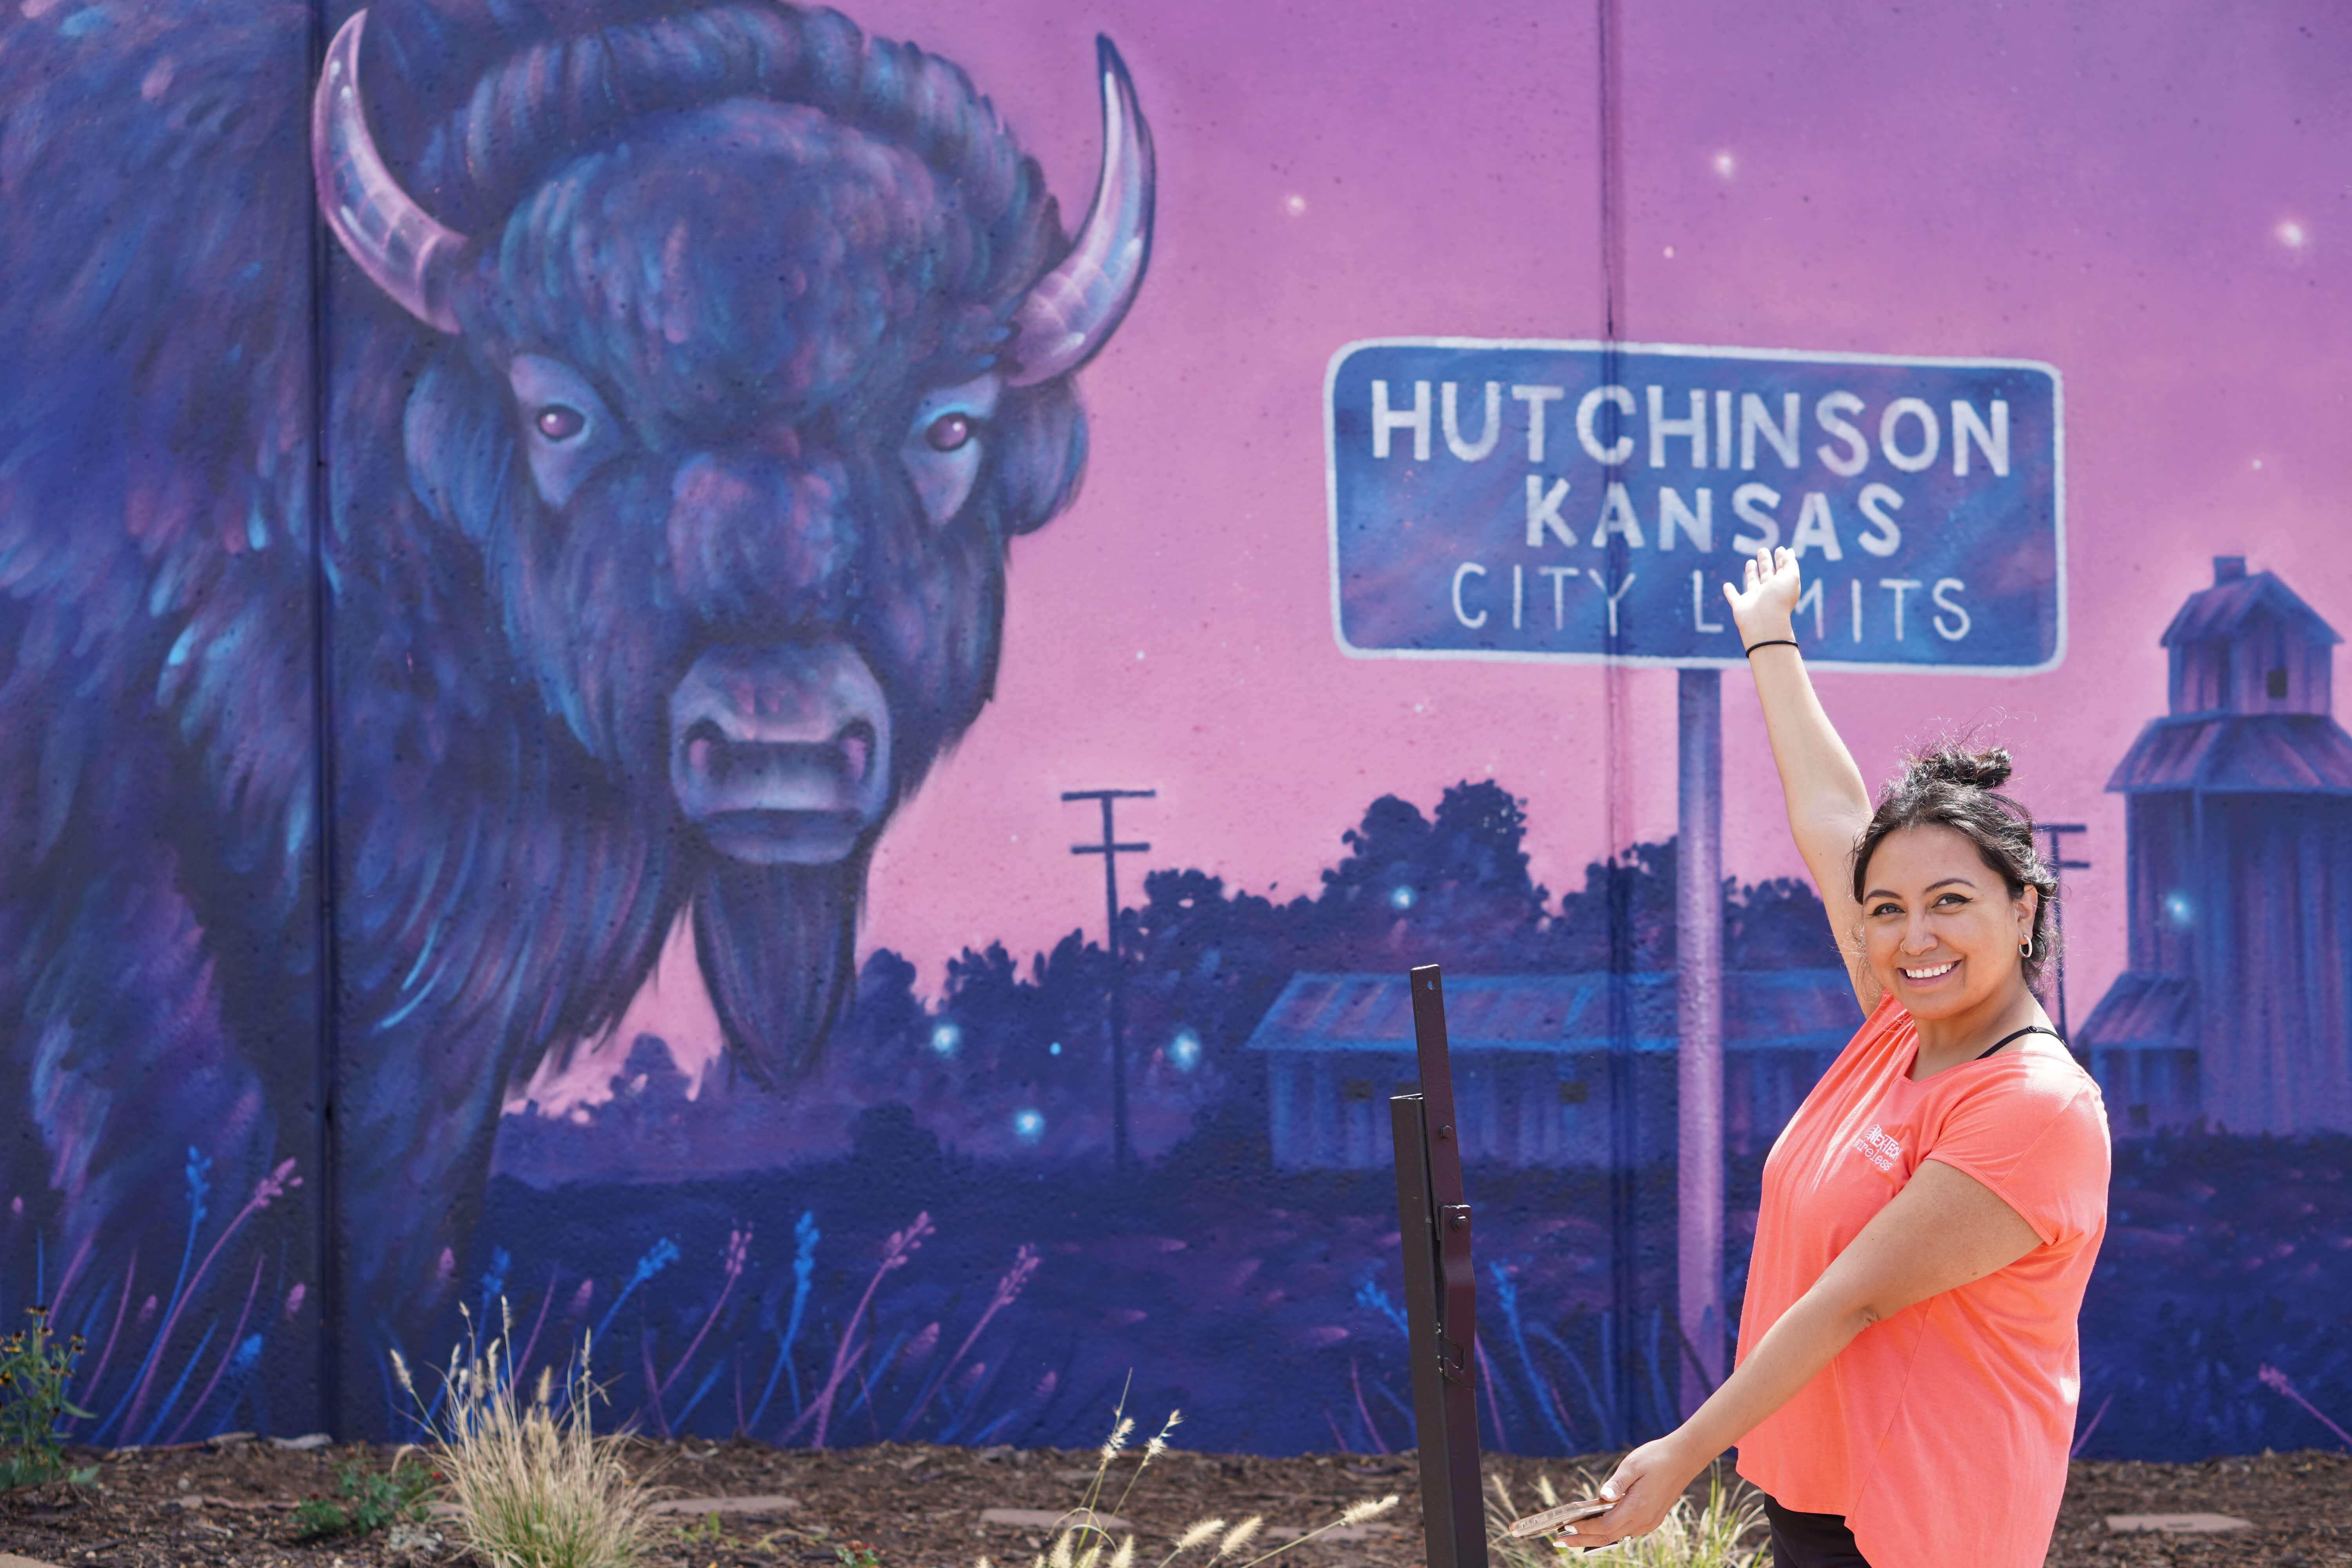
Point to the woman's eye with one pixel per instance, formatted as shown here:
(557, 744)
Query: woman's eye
(1886, 910)
(560, 422)
(949, 432)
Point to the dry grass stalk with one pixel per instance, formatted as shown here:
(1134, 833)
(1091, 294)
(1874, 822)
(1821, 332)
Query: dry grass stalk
(1081, 1542)
(1240, 1535)
(534, 1486)
(1718, 1535)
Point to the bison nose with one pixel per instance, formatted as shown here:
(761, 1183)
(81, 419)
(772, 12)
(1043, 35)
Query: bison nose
(781, 753)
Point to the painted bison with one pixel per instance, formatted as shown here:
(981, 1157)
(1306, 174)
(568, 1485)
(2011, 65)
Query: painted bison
(610, 534)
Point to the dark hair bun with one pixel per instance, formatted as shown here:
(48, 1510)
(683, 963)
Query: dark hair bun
(1950, 764)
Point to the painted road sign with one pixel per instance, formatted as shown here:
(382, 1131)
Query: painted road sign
(1566, 500)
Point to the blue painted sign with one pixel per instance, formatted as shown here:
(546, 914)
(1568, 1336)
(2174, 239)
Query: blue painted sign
(1564, 501)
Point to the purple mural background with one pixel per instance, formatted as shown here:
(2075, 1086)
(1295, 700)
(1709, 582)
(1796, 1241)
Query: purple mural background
(926, 1235)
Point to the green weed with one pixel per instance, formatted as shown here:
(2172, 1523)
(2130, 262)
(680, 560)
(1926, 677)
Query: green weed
(34, 1371)
(368, 1501)
(705, 1531)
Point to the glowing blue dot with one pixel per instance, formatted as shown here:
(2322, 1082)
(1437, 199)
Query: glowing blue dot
(2177, 909)
(1401, 898)
(1028, 1125)
(946, 1038)
(1184, 1050)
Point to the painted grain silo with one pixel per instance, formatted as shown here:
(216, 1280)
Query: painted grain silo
(2236, 1007)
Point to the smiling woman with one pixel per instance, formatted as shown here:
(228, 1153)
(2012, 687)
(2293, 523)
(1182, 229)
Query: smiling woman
(1908, 1366)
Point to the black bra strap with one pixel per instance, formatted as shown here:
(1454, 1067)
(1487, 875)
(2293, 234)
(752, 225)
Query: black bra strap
(2019, 1034)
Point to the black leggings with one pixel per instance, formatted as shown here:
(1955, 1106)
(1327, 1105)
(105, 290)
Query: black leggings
(1812, 1539)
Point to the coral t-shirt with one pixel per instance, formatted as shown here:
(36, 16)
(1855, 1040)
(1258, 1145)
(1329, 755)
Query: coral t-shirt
(1940, 1433)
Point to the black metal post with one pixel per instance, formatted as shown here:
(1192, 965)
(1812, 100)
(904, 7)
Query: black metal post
(1441, 1292)
(1110, 849)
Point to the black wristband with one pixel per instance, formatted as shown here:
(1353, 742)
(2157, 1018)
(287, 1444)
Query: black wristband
(1769, 642)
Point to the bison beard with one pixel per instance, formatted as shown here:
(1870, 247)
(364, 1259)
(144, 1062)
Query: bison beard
(778, 952)
(527, 346)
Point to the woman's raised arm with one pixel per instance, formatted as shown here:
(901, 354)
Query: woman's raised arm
(1829, 805)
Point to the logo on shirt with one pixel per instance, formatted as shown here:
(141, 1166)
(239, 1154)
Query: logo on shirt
(1878, 1148)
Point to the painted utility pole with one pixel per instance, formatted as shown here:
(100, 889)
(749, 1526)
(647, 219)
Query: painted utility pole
(1698, 1022)
(2060, 864)
(1110, 849)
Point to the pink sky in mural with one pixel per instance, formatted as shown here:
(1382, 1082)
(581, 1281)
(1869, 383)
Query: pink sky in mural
(2152, 197)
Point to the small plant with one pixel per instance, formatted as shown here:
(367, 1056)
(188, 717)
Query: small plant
(705, 1531)
(1714, 1536)
(857, 1555)
(1082, 1540)
(369, 1502)
(34, 1371)
(533, 1484)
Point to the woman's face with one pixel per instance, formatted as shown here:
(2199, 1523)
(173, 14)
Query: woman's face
(1939, 929)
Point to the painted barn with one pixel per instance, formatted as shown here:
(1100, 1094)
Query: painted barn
(1531, 1058)
(2236, 1006)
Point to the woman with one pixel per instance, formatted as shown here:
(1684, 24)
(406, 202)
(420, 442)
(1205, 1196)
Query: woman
(1905, 1385)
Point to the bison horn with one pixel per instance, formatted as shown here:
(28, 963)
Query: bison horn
(1073, 309)
(394, 241)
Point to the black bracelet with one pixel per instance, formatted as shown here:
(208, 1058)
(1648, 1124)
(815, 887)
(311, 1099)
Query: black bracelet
(1770, 642)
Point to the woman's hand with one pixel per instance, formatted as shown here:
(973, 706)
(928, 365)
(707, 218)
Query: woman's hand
(1767, 606)
(1644, 1487)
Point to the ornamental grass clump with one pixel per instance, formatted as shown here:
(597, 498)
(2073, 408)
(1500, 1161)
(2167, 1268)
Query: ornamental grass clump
(1083, 1541)
(1718, 1535)
(534, 1487)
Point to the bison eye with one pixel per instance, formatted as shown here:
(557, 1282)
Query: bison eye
(949, 432)
(946, 435)
(559, 422)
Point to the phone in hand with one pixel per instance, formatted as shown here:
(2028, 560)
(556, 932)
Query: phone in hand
(1551, 1519)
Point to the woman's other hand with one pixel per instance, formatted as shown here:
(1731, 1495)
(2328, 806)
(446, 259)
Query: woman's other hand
(1643, 1488)
(1767, 606)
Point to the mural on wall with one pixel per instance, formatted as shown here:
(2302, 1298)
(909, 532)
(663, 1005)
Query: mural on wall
(528, 775)
(662, 545)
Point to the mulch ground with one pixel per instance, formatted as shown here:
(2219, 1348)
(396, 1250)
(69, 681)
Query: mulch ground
(231, 1504)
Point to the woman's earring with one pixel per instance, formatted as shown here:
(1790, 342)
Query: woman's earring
(2025, 948)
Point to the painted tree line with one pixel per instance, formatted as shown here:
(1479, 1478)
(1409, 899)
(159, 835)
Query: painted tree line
(1012, 1059)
